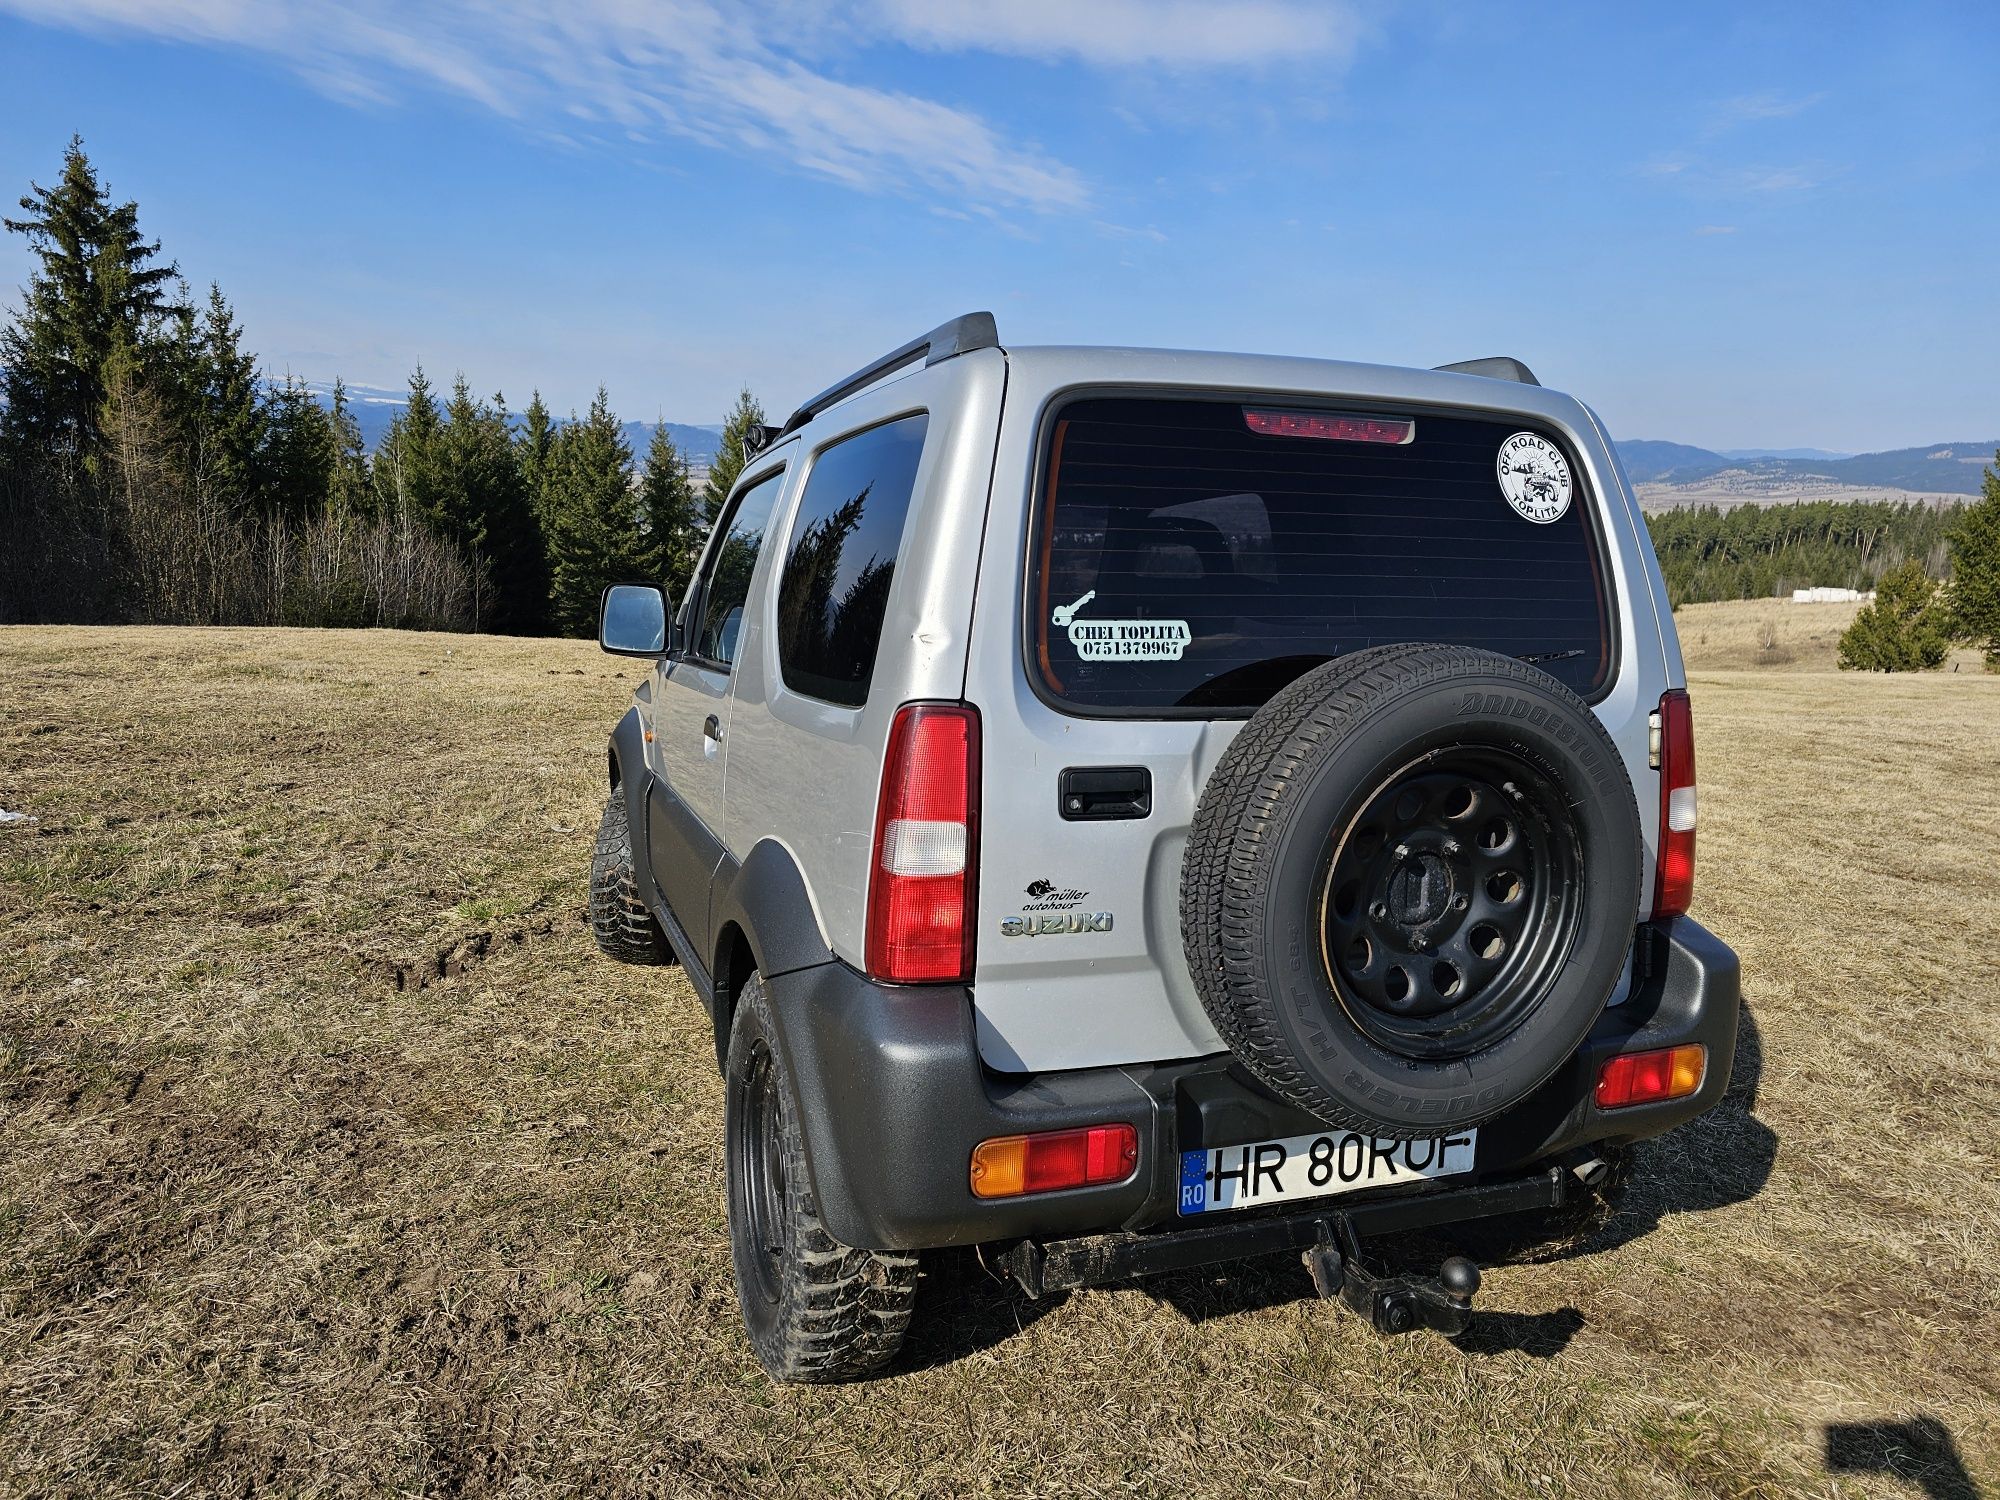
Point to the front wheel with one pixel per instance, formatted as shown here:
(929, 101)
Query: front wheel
(816, 1310)
(619, 921)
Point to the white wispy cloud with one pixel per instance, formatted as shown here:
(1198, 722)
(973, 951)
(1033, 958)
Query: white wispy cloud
(1777, 179)
(711, 71)
(1132, 33)
(1745, 109)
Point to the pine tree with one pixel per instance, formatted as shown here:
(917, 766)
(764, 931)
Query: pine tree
(481, 504)
(222, 421)
(669, 515)
(89, 310)
(405, 467)
(347, 490)
(533, 445)
(297, 458)
(593, 530)
(733, 454)
(1903, 630)
(1975, 571)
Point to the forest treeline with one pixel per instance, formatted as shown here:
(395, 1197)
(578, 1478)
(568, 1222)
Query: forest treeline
(1756, 551)
(149, 472)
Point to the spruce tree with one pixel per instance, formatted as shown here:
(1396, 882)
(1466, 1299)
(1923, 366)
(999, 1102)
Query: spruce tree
(87, 313)
(297, 458)
(534, 443)
(733, 454)
(669, 515)
(1902, 630)
(347, 490)
(222, 420)
(593, 530)
(1975, 571)
(405, 467)
(481, 504)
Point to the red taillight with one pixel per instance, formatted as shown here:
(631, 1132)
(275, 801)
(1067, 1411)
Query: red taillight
(921, 884)
(1330, 425)
(1673, 879)
(1646, 1077)
(1015, 1164)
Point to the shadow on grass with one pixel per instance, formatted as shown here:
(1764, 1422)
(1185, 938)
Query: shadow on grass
(1539, 1335)
(964, 1307)
(1719, 1159)
(1919, 1452)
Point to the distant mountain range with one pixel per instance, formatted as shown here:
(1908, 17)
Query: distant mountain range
(1768, 473)
(1935, 469)
(375, 408)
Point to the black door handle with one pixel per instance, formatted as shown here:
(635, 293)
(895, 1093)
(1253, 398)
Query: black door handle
(711, 728)
(1095, 794)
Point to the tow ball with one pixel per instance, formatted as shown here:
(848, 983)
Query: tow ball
(1391, 1304)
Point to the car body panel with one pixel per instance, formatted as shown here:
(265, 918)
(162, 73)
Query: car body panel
(805, 772)
(1123, 995)
(1113, 990)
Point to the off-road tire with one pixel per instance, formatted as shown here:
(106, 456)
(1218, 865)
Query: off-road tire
(1269, 806)
(817, 1311)
(624, 928)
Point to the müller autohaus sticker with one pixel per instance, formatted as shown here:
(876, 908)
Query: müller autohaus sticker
(1121, 640)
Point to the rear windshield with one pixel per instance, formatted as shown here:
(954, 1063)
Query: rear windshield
(1189, 561)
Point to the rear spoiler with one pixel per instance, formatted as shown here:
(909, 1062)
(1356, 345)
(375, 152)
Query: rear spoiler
(1494, 367)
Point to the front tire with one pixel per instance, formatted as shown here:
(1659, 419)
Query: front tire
(817, 1311)
(619, 920)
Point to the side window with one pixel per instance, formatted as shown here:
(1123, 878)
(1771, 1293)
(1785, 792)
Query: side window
(834, 591)
(728, 582)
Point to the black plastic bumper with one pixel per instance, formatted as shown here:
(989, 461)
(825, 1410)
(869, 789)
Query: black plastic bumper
(894, 1099)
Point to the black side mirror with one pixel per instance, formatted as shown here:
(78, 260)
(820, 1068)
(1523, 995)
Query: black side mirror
(632, 620)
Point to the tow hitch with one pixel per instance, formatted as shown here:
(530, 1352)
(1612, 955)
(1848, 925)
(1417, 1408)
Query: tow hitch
(1329, 1239)
(1391, 1304)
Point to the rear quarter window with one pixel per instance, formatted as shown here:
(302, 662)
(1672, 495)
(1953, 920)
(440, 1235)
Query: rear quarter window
(1250, 557)
(834, 591)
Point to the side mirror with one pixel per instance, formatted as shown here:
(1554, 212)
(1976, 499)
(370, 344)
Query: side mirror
(632, 620)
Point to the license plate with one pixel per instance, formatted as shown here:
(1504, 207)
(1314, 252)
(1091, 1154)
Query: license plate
(1314, 1166)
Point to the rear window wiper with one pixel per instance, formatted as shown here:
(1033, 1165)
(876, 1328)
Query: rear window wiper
(1536, 658)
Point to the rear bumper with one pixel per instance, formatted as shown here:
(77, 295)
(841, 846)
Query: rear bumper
(894, 1098)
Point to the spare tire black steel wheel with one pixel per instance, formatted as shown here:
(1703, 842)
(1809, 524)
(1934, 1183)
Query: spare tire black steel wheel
(1411, 885)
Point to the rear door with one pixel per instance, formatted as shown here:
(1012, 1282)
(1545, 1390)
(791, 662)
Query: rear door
(1179, 559)
(691, 723)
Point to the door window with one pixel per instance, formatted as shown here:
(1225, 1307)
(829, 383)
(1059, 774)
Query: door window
(834, 591)
(726, 588)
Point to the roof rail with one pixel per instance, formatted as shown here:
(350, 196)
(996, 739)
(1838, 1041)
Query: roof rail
(959, 336)
(1497, 367)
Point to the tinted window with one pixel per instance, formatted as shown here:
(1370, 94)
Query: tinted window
(1187, 562)
(729, 575)
(835, 588)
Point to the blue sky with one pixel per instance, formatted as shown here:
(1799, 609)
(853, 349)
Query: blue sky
(1733, 225)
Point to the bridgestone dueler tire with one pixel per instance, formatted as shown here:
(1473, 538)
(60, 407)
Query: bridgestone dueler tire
(1294, 777)
(619, 920)
(817, 1311)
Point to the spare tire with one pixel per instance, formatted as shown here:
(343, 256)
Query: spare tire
(1411, 886)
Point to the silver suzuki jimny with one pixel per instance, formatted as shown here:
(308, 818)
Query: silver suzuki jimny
(1132, 809)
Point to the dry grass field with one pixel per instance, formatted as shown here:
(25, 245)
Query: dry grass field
(334, 1161)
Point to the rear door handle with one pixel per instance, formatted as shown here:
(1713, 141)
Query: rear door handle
(711, 728)
(1096, 794)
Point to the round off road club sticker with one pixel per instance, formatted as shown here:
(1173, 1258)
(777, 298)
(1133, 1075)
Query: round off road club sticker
(1534, 476)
